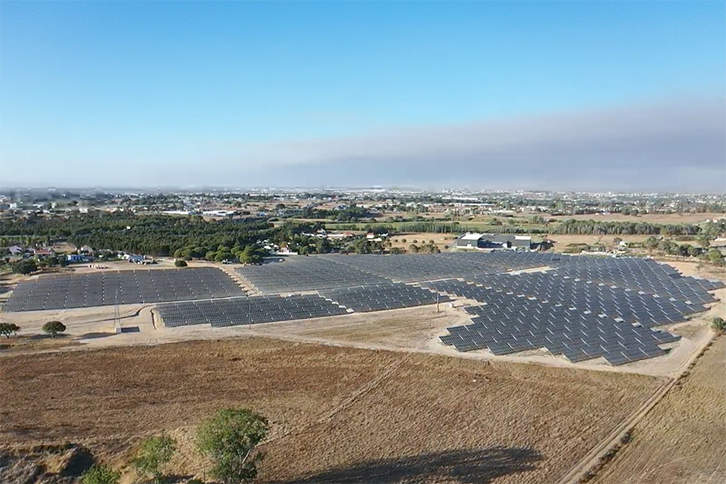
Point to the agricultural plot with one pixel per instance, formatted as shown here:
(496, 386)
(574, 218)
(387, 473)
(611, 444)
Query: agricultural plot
(338, 414)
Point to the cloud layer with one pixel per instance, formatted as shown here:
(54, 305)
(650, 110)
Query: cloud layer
(676, 146)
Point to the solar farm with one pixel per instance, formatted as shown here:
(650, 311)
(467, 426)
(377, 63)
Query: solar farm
(576, 307)
(350, 352)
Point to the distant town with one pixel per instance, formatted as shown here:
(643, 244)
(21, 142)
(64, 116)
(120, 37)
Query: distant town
(42, 229)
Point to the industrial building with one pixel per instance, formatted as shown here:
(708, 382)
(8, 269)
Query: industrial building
(493, 241)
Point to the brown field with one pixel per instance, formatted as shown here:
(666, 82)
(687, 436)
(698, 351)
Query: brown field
(337, 414)
(656, 218)
(562, 241)
(441, 240)
(681, 441)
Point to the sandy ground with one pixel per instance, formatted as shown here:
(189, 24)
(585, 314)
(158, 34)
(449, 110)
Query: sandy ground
(337, 414)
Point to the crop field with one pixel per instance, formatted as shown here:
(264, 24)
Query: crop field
(337, 414)
(681, 440)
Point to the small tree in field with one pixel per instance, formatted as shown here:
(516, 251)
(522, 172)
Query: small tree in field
(180, 263)
(53, 328)
(153, 454)
(229, 440)
(8, 329)
(99, 474)
(718, 324)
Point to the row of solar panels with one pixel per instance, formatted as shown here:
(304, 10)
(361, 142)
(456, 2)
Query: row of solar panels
(267, 309)
(122, 287)
(247, 310)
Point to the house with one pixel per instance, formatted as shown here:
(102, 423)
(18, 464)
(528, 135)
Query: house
(16, 250)
(44, 252)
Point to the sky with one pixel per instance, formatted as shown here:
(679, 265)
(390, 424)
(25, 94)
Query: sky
(578, 95)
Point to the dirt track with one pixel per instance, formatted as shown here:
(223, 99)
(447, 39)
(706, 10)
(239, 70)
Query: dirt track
(338, 414)
(681, 441)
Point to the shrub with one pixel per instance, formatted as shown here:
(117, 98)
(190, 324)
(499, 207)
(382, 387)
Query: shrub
(99, 474)
(718, 324)
(229, 440)
(153, 454)
(180, 263)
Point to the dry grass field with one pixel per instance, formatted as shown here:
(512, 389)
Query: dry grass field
(338, 414)
(656, 218)
(681, 441)
(440, 240)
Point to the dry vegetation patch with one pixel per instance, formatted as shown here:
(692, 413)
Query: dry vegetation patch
(337, 414)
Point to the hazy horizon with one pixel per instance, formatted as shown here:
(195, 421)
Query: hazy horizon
(591, 96)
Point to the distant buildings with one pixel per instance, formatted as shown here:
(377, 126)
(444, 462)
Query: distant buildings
(493, 241)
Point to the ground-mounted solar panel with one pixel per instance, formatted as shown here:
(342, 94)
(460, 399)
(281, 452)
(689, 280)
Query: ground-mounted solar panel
(70, 291)
(247, 310)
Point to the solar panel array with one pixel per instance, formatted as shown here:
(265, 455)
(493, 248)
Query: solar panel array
(247, 310)
(303, 274)
(511, 324)
(424, 267)
(583, 308)
(381, 297)
(580, 307)
(63, 291)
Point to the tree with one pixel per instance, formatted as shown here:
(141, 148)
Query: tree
(100, 474)
(8, 329)
(53, 328)
(153, 453)
(693, 251)
(229, 440)
(25, 267)
(704, 241)
(714, 255)
(180, 263)
(718, 324)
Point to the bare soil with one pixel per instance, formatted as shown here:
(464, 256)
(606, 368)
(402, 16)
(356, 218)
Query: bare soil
(337, 414)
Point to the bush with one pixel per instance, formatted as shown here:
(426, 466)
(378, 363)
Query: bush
(180, 263)
(99, 474)
(8, 329)
(53, 328)
(718, 324)
(153, 454)
(229, 440)
(25, 267)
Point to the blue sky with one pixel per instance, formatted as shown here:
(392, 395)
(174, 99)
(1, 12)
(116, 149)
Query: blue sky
(230, 93)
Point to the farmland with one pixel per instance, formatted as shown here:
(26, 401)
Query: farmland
(338, 414)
